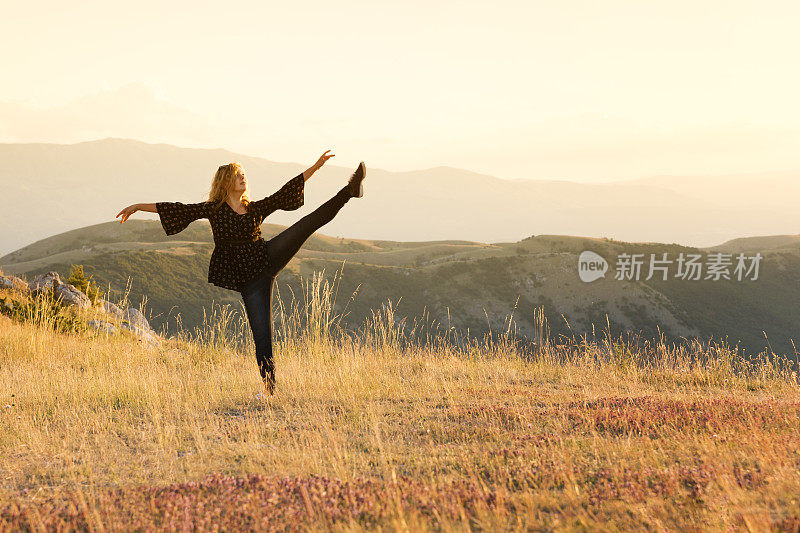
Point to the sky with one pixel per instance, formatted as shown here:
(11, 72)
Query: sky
(585, 91)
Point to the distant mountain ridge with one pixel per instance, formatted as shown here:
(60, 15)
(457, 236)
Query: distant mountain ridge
(56, 187)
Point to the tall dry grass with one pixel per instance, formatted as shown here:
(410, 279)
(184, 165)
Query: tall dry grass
(398, 425)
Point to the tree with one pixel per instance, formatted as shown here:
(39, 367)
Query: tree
(84, 284)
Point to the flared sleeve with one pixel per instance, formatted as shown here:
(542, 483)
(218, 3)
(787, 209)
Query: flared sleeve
(175, 216)
(289, 197)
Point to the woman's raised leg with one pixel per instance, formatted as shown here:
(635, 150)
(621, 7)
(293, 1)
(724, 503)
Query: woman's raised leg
(283, 246)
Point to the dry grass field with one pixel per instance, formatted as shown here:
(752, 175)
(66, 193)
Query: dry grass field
(374, 429)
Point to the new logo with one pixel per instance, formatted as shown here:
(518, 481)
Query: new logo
(591, 266)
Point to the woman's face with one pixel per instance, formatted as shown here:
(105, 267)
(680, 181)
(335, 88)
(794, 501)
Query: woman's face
(239, 182)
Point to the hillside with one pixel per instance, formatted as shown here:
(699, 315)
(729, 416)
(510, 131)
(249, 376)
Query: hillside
(472, 286)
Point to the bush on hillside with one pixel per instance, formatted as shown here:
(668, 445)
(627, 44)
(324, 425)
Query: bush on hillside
(41, 309)
(86, 285)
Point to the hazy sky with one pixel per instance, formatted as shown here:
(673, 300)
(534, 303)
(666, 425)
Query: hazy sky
(558, 89)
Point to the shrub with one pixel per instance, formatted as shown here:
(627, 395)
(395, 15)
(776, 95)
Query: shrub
(42, 309)
(86, 285)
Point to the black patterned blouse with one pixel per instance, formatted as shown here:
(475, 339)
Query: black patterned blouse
(240, 252)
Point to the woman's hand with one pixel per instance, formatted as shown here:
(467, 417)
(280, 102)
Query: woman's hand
(313, 168)
(322, 159)
(127, 212)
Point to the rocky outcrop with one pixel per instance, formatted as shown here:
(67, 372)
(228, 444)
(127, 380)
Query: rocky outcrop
(111, 308)
(147, 336)
(44, 282)
(136, 319)
(68, 294)
(71, 295)
(117, 319)
(130, 319)
(14, 283)
(105, 327)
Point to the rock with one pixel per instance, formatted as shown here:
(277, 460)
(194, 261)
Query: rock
(44, 282)
(136, 318)
(14, 283)
(111, 308)
(106, 327)
(145, 335)
(69, 294)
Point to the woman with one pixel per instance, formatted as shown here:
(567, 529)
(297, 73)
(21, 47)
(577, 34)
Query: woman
(242, 260)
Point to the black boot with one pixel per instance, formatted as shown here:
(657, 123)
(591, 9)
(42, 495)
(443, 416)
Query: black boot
(269, 382)
(268, 376)
(355, 182)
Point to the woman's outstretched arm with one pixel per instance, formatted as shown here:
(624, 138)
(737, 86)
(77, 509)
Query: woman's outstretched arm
(174, 216)
(316, 166)
(131, 209)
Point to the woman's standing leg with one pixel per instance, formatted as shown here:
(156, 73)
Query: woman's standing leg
(283, 246)
(257, 297)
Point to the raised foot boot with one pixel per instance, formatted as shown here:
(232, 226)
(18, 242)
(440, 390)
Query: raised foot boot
(356, 181)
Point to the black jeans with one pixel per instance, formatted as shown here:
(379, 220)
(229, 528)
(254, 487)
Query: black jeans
(257, 293)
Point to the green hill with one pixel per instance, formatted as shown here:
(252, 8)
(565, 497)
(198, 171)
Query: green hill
(472, 286)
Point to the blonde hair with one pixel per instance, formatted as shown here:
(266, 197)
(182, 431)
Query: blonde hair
(223, 183)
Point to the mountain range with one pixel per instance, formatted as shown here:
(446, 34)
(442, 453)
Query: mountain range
(51, 188)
